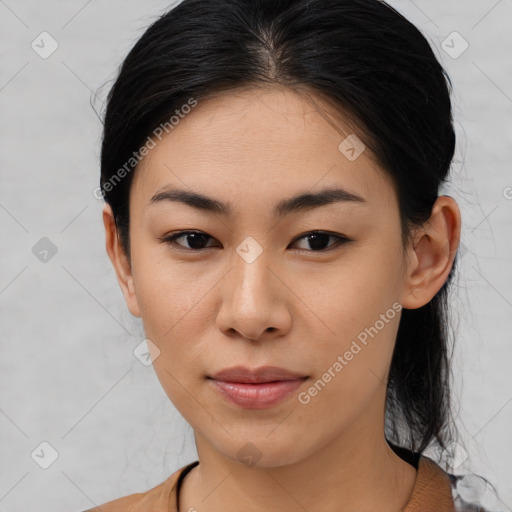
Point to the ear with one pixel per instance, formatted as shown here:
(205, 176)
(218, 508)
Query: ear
(120, 261)
(430, 256)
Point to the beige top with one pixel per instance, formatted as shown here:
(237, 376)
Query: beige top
(431, 493)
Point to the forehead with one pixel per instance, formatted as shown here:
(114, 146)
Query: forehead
(261, 143)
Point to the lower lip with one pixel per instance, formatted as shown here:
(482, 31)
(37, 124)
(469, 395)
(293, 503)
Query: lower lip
(257, 396)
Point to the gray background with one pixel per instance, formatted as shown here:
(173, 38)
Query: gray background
(68, 375)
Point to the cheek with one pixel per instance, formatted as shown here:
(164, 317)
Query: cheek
(174, 309)
(171, 295)
(351, 376)
(354, 294)
(360, 317)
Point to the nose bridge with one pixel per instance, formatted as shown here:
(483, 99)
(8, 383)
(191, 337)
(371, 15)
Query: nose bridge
(251, 278)
(251, 300)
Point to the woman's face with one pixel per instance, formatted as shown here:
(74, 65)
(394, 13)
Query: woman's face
(253, 290)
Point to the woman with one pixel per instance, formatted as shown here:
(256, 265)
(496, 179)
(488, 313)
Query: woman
(238, 135)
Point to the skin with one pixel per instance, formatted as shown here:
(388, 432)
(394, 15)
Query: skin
(293, 307)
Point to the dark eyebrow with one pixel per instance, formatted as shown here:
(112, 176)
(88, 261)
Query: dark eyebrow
(305, 201)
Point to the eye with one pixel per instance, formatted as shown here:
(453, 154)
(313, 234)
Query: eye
(197, 240)
(318, 240)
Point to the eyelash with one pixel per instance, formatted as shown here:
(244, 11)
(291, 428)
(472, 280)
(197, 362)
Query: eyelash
(171, 240)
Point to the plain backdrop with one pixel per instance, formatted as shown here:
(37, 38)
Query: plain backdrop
(68, 375)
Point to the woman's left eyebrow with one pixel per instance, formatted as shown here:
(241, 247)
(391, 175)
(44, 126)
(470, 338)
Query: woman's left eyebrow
(300, 202)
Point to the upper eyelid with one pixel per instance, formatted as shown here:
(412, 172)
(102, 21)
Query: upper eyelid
(172, 237)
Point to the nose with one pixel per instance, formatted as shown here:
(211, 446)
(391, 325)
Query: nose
(255, 302)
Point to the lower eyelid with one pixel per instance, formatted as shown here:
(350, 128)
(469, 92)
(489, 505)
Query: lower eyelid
(339, 240)
(173, 237)
(171, 240)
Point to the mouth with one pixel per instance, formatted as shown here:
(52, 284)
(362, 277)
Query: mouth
(258, 388)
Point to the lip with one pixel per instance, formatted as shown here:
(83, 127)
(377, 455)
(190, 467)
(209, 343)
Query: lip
(256, 375)
(257, 388)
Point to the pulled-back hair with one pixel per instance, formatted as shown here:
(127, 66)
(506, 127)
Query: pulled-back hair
(380, 75)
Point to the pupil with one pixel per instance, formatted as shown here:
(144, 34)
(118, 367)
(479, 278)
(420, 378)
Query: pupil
(313, 241)
(198, 237)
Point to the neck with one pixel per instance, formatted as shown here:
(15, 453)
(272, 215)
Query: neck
(356, 471)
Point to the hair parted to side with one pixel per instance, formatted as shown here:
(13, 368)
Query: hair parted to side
(380, 74)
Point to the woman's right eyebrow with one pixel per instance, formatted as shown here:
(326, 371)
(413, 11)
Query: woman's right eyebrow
(301, 202)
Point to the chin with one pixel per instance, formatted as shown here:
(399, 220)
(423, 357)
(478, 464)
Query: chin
(266, 451)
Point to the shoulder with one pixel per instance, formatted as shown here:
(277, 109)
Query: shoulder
(472, 493)
(439, 490)
(432, 488)
(160, 498)
(466, 491)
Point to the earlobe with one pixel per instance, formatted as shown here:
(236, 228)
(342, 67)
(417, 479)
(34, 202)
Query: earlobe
(432, 253)
(120, 261)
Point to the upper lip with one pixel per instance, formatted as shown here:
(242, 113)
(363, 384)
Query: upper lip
(256, 375)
